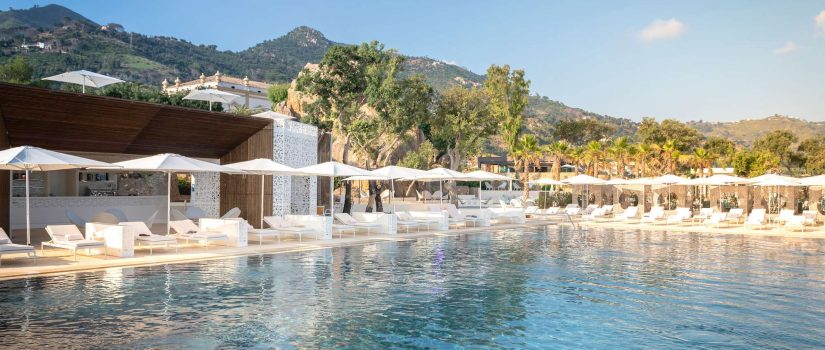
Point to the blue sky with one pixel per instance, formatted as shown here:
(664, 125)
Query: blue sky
(690, 60)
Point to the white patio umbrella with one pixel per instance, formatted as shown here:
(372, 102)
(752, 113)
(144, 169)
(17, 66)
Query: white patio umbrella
(776, 182)
(212, 95)
(28, 159)
(442, 174)
(717, 180)
(585, 180)
(669, 180)
(332, 170)
(545, 182)
(818, 180)
(481, 176)
(84, 78)
(263, 167)
(273, 115)
(172, 163)
(391, 173)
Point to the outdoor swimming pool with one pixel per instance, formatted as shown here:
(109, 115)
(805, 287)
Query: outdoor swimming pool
(529, 288)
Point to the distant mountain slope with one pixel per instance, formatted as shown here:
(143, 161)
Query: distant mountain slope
(744, 132)
(45, 17)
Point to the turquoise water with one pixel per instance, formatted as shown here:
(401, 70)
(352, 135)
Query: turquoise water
(504, 289)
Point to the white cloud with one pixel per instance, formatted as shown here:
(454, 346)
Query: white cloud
(820, 20)
(787, 48)
(660, 29)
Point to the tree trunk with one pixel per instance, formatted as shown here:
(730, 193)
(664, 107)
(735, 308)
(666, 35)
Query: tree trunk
(526, 180)
(379, 207)
(556, 168)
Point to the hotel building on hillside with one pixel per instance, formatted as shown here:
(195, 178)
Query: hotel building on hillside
(253, 92)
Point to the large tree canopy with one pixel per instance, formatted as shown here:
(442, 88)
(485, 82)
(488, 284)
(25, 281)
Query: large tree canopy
(508, 92)
(683, 136)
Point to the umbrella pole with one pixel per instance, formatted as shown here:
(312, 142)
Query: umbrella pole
(441, 190)
(84, 85)
(262, 200)
(392, 194)
(479, 194)
(28, 222)
(168, 200)
(210, 105)
(331, 196)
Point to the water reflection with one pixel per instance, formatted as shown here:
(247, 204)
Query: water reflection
(503, 289)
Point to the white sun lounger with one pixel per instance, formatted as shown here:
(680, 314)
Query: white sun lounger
(682, 215)
(716, 219)
(406, 216)
(460, 217)
(627, 214)
(704, 215)
(281, 225)
(7, 247)
(348, 220)
(653, 215)
(735, 214)
(260, 233)
(188, 231)
(796, 222)
(144, 236)
(69, 237)
(756, 218)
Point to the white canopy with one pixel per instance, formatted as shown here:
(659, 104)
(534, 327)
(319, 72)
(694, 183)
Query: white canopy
(391, 172)
(777, 181)
(771, 177)
(440, 173)
(642, 181)
(716, 180)
(486, 175)
(272, 115)
(171, 163)
(28, 158)
(669, 179)
(39, 159)
(818, 180)
(583, 179)
(84, 78)
(545, 181)
(334, 169)
(617, 181)
(263, 166)
(211, 95)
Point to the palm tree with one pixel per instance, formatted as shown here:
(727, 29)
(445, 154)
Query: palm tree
(593, 154)
(704, 160)
(670, 155)
(559, 150)
(619, 150)
(576, 156)
(528, 154)
(644, 153)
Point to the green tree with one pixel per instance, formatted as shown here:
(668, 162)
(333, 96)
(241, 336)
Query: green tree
(422, 157)
(812, 153)
(684, 137)
(277, 93)
(593, 155)
(16, 71)
(508, 93)
(350, 88)
(581, 131)
(750, 163)
(620, 151)
(559, 151)
(528, 154)
(576, 156)
(462, 122)
(722, 148)
(704, 160)
(779, 142)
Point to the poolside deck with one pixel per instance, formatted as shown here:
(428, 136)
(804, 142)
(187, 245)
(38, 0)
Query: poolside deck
(59, 261)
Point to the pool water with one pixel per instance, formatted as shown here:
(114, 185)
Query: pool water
(529, 288)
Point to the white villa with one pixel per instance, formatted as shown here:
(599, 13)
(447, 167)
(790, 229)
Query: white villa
(253, 92)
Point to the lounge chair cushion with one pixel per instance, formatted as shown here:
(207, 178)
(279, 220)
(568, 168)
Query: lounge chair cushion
(9, 247)
(156, 238)
(4, 241)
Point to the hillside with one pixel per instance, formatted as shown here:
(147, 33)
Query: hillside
(73, 42)
(744, 132)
